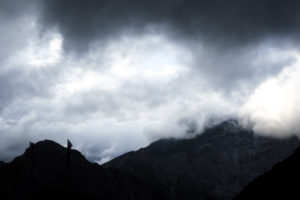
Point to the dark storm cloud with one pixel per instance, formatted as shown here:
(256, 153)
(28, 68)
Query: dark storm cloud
(227, 69)
(14, 8)
(11, 15)
(142, 70)
(220, 22)
(16, 81)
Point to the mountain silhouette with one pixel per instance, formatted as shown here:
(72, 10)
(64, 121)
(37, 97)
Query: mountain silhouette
(42, 173)
(279, 183)
(1, 164)
(214, 165)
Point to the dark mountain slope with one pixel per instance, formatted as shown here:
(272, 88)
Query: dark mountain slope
(50, 179)
(214, 165)
(1, 164)
(282, 182)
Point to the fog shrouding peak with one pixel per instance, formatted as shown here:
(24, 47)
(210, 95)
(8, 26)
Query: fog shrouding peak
(113, 76)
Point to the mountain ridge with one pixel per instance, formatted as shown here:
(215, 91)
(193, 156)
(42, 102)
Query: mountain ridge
(217, 163)
(45, 176)
(278, 183)
(214, 165)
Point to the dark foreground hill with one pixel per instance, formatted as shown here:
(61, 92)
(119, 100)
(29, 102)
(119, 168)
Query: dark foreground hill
(282, 182)
(217, 164)
(44, 175)
(1, 164)
(214, 165)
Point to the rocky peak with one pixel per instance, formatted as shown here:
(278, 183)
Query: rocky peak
(216, 164)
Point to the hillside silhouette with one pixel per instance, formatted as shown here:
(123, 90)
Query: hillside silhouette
(217, 164)
(45, 176)
(279, 183)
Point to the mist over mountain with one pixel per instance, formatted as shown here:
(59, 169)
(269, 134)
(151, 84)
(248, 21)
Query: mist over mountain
(214, 165)
(116, 75)
(147, 90)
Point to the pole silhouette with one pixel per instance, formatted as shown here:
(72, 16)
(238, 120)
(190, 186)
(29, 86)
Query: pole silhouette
(69, 145)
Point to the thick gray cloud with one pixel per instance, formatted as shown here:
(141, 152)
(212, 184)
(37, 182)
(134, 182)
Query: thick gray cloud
(222, 23)
(225, 31)
(115, 75)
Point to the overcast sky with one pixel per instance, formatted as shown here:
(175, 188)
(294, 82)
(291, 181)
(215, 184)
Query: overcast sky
(115, 75)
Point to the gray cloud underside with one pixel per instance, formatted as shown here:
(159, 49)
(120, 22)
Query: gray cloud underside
(222, 23)
(224, 51)
(227, 30)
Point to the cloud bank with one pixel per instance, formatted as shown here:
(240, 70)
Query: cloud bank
(113, 76)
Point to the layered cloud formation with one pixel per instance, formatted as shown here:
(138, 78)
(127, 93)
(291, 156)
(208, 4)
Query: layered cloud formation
(113, 76)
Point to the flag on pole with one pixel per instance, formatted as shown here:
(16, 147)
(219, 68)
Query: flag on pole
(30, 169)
(31, 159)
(69, 144)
